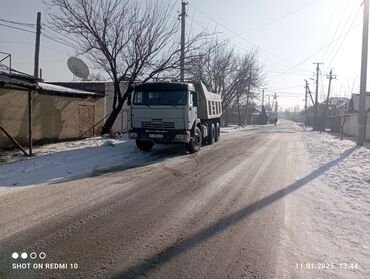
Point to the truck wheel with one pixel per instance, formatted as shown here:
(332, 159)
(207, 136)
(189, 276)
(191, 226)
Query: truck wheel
(195, 142)
(144, 145)
(217, 134)
(211, 137)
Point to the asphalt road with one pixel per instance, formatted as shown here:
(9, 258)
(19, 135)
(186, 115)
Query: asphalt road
(219, 213)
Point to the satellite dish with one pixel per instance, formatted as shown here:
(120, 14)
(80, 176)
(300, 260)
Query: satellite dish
(78, 67)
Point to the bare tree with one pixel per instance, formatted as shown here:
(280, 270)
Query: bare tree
(230, 74)
(131, 42)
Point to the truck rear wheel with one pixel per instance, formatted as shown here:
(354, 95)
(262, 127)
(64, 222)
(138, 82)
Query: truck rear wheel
(195, 142)
(212, 133)
(144, 145)
(217, 134)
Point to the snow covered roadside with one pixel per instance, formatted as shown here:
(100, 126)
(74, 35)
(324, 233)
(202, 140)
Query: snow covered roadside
(335, 209)
(234, 128)
(66, 160)
(351, 176)
(63, 161)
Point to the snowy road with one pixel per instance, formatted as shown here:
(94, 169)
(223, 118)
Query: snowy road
(254, 205)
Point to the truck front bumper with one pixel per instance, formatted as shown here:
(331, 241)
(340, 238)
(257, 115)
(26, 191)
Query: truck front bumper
(160, 136)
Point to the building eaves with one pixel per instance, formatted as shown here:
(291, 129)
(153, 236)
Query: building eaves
(52, 89)
(16, 84)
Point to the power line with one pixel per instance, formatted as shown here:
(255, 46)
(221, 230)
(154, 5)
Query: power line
(18, 23)
(330, 22)
(236, 44)
(279, 18)
(344, 38)
(17, 28)
(59, 33)
(289, 86)
(310, 56)
(234, 33)
(339, 25)
(16, 42)
(57, 41)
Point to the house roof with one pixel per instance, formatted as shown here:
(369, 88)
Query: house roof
(9, 82)
(52, 89)
(17, 84)
(90, 86)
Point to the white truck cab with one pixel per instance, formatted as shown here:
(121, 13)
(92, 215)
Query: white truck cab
(174, 112)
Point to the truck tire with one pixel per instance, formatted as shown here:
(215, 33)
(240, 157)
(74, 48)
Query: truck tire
(217, 134)
(212, 133)
(144, 145)
(195, 142)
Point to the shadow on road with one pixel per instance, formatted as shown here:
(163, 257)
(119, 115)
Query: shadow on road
(182, 246)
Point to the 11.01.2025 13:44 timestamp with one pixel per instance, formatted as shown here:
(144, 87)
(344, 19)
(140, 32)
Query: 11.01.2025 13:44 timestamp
(325, 265)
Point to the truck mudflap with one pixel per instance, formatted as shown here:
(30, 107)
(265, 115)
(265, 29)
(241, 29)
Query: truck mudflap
(159, 136)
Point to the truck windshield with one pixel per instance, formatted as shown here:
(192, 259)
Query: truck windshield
(174, 98)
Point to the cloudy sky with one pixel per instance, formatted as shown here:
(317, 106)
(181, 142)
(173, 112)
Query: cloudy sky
(289, 34)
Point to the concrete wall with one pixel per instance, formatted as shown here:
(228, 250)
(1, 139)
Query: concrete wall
(350, 126)
(121, 123)
(53, 117)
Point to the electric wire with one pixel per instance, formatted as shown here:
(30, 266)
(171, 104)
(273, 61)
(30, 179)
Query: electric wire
(344, 38)
(18, 23)
(341, 20)
(237, 35)
(238, 45)
(310, 56)
(17, 28)
(279, 18)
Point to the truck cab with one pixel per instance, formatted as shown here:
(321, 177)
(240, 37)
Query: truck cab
(174, 112)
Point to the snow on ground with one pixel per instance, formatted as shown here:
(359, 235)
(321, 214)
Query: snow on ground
(335, 208)
(350, 176)
(66, 160)
(69, 160)
(234, 128)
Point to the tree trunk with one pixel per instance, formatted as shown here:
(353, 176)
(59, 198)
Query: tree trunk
(246, 111)
(226, 117)
(239, 119)
(107, 127)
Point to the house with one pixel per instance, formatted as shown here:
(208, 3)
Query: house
(57, 112)
(344, 116)
(231, 115)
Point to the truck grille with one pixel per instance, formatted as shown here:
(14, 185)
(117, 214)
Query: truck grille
(157, 125)
(169, 125)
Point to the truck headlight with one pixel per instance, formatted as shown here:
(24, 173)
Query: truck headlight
(184, 137)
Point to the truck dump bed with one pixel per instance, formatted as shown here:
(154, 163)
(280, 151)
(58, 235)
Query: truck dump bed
(209, 106)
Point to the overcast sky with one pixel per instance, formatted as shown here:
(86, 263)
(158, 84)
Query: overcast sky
(289, 34)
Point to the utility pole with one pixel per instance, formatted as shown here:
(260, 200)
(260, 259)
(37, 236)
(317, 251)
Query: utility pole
(276, 105)
(330, 77)
(263, 98)
(248, 94)
(305, 104)
(309, 92)
(182, 57)
(37, 45)
(273, 102)
(362, 114)
(315, 126)
(36, 75)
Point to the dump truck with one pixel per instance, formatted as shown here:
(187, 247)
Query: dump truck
(174, 112)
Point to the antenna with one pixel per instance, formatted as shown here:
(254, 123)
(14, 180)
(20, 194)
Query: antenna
(78, 67)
